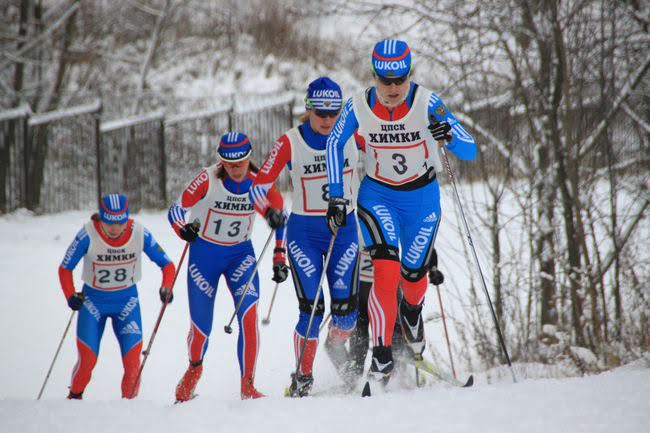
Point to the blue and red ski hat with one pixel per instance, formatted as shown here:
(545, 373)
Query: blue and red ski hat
(323, 94)
(234, 147)
(391, 58)
(114, 209)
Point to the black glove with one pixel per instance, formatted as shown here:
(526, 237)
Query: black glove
(190, 231)
(436, 277)
(336, 213)
(76, 301)
(280, 272)
(440, 130)
(163, 295)
(274, 217)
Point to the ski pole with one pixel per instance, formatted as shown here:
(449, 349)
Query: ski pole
(478, 265)
(56, 355)
(313, 309)
(444, 324)
(147, 351)
(228, 327)
(325, 322)
(267, 319)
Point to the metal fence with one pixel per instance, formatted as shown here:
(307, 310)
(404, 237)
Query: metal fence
(49, 162)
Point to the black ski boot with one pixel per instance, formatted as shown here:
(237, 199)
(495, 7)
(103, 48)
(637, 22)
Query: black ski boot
(300, 385)
(382, 365)
(410, 317)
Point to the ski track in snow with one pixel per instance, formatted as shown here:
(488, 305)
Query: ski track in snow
(33, 314)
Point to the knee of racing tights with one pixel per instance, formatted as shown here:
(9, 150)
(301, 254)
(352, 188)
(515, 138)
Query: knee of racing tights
(342, 307)
(382, 252)
(413, 291)
(303, 323)
(413, 275)
(306, 305)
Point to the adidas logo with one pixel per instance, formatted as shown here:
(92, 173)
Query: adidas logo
(431, 218)
(131, 328)
(340, 285)
(251, 290)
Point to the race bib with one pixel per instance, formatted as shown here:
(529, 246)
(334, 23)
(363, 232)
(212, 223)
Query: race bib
(226, 228)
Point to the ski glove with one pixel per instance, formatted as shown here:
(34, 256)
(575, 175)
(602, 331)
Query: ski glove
(163, 295)
(190, 231)
(436, 277)
(336, 213)
(280, 272)
(76, 301)
(440, 130)
(274, 217)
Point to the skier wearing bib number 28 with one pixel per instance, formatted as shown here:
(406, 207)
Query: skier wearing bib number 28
(221, 245)
(302, 150)
(399, 198)
(111, 246)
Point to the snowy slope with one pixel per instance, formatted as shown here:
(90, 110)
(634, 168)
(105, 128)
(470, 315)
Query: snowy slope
(33, 315)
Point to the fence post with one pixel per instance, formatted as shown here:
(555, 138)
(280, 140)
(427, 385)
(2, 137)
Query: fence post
(98, 148)
(163, 162)
(25, 183)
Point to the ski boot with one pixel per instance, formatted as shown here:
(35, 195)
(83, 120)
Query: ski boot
(300, 385)
(75, 395)
(382, 364)
(410, 317)
(248, 390)
(185, 388)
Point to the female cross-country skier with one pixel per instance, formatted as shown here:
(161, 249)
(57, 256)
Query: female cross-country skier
(111, 246)
(399, 198)
(302, 151)
(220, 245)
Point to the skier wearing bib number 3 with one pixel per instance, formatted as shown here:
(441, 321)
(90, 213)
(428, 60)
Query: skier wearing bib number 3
(302, 150)
(399, 198)
(221, 245)
(111, 246)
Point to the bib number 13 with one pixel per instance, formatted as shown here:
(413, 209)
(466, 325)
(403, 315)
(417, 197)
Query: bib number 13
(233, 229)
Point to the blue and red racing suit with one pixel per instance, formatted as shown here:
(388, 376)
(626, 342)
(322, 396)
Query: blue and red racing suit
(111, 269)
(302, 150)
(223, 248)
(399, 198)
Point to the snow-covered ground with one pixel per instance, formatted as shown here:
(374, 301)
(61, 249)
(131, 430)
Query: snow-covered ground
(33, 315)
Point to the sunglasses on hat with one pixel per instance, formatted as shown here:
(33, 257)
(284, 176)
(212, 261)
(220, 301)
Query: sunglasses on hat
(327, 113)
(386, 81)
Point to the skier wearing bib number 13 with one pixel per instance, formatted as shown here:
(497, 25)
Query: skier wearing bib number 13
(111, 246)
(302, 151)
(399, 198)
(221, 245)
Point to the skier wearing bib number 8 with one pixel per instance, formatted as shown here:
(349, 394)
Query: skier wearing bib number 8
(302, 150)
(220, 245)
(111, 246)
(399, 198)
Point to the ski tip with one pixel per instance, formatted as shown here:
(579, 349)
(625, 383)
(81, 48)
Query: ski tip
(470, 381)
(366, 390)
